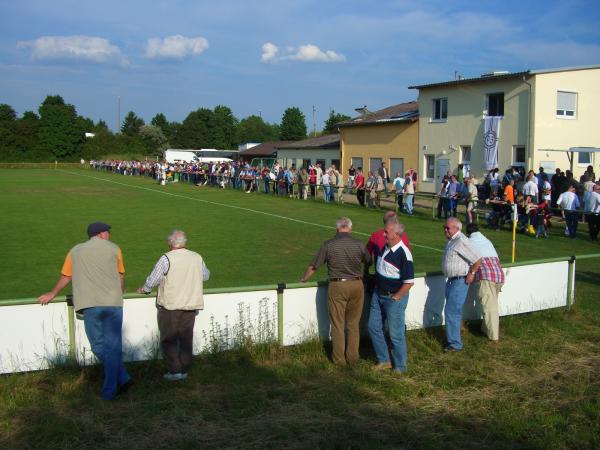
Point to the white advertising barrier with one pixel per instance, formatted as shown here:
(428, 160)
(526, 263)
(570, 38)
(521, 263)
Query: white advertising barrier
(225, 319)
(33, 337)
(527, 288)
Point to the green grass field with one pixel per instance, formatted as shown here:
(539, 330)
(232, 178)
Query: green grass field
(246, 239)
(539, 387)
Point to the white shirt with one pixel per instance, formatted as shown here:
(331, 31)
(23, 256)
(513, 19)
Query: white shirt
(592, 202)
(325, 179)
(548, 189)
(568, 201)
(530, 188)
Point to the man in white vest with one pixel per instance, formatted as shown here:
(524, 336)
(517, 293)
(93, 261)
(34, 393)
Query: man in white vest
(179, 275)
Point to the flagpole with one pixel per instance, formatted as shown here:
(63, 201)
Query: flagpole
(514, 232)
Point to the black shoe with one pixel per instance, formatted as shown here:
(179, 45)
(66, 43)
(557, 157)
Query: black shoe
(125, 387)
(451, 350)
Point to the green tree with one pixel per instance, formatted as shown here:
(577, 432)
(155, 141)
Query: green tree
(153, 138)
(331, 122)
(224, 125)
(293, 125)
(160, 120)
(255, 129)
(26, 132)
(196, 130)
(169, 129)
(7, 114)
(7, 132)
(60, 133)
(131, 124)
(100, 125)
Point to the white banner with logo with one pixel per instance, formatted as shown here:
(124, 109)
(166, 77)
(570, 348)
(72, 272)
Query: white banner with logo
(491, 134)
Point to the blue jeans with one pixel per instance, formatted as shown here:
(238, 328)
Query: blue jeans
(408, 202)
(456, 293)
(326, 192)
(103, 326)
(384, 308)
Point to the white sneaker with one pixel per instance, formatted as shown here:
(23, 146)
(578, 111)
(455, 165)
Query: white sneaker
(174, 376)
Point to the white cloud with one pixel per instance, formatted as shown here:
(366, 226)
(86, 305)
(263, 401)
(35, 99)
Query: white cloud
(304, 53)
(269, 52)
(75, 48)
(175, 47)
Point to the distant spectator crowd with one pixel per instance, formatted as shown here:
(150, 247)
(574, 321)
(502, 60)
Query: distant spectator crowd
(314, 181)
(537, 198)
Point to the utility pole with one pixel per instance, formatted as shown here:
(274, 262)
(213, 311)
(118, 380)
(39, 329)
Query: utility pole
(314, 121)
(118, 113)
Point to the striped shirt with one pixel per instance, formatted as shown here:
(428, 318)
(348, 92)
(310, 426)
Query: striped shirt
(161, 268)
(459, 256)
(394, 267)
(344, 255)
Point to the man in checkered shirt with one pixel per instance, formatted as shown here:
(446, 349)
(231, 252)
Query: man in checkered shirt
(488, 282)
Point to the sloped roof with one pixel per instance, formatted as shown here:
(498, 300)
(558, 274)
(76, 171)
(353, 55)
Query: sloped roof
(264, 149)
(504, 76)
(326, 141)
(481, 79)
(403, 112)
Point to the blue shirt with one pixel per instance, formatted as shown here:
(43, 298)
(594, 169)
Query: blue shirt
(394, 267)
(483, 245)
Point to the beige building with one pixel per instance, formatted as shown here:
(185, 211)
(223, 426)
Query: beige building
(390, 135)
(538, 110)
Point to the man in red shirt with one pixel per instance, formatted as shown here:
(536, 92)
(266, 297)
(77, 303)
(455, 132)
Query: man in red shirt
(359, 184)
(377, 239)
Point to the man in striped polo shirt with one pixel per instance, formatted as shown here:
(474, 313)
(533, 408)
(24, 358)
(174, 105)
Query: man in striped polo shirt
(394, 275)
(347, 260)
(459, 264)
(487, 283)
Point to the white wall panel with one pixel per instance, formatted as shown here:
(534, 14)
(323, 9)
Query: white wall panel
(33, 337)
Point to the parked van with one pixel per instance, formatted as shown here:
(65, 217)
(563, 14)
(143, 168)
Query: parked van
(192, 156)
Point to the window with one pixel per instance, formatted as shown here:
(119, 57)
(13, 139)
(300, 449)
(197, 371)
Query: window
(439, 109)
(518, 155)
(494, 104)
(357, 163)
(374, 164)
(566, 104)
(583, 159)
(306, 163)
(322, 162)
(336, 163)
(429, 167)
(465, 157)
(396, 166)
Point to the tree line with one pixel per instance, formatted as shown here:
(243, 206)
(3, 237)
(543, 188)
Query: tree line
(58, 132)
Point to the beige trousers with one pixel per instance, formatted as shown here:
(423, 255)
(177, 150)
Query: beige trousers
(345, 305)
(486, 292)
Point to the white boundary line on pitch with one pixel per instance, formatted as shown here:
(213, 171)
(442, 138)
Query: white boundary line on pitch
(328, 227)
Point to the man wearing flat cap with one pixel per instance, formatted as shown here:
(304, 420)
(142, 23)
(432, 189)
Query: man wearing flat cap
(96, 269)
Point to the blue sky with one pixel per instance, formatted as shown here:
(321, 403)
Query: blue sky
(260, 57)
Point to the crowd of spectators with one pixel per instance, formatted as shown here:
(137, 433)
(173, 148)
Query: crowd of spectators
(537, 196)
(314, 181)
